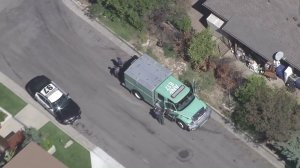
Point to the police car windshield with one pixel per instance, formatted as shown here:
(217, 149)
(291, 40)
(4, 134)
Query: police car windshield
(62, 101)
(185, 101)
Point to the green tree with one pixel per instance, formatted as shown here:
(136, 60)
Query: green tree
(31, 134)
(290, 150)
(248, 90)
(269, 114)
(181, 20)
(133, 11)
(202, 46)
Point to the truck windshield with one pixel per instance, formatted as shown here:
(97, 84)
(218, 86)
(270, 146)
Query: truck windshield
(185, 101)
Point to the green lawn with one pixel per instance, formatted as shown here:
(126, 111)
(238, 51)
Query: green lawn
(74, 157)
(9, 101)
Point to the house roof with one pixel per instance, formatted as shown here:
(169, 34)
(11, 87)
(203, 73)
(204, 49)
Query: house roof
(34, 156)
(265, 26)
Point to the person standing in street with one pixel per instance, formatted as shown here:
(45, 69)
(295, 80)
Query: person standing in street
(159, 114)
(116, 71)
(119, 62)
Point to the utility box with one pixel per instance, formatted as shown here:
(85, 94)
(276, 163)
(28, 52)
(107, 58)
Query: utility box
(147, 74)
(291, 82)
(215, 24)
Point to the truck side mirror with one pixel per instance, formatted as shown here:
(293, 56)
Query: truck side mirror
(158, 104)
(189, 84)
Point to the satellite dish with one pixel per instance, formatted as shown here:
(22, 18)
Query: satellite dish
(279, 55)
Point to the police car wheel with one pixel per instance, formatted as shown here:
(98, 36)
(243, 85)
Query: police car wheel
(181, 124)
(137, 95)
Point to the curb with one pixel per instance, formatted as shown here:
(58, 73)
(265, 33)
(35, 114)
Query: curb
(83, 9)
(70, 131)
(259, 148)
(8, 116)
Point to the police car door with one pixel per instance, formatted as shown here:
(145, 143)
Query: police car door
(44, 102)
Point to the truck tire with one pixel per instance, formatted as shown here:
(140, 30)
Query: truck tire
(137, 95)
(181, 124)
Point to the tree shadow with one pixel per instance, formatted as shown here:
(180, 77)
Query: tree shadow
(93, 1)
(119, 67)
(114, 70)
(114, 61)
(152, 114)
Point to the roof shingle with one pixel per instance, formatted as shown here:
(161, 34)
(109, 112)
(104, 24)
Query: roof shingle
(265, 26)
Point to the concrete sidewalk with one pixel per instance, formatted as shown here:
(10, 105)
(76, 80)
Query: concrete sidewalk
(27, 117)
(33, 115)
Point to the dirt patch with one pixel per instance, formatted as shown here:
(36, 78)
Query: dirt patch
(177, 66)
(84, 3)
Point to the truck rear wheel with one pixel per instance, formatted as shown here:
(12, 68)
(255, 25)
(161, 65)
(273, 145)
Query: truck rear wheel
(181, 124)
(137, 95)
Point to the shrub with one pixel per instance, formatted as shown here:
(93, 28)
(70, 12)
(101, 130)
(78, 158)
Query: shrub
(182, 22)
(31, 134)
(169, 50)
(2, 116)
(202, 46)
(203, 80)
(268, 114)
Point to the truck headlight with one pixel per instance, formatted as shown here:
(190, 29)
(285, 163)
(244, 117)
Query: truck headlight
(192, 123)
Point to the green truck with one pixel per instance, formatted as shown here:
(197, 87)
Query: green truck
(150, 81)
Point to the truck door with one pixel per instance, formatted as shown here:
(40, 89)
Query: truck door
(170, 110)
(160, 100)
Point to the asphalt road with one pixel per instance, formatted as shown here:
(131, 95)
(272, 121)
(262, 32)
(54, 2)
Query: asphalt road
(45, 37)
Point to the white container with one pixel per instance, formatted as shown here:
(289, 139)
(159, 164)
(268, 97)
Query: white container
(288, 72)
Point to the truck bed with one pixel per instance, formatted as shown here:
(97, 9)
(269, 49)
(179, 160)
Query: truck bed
(147, 72)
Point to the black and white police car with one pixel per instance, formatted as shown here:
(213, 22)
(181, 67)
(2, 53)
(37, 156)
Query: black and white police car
(53, 99)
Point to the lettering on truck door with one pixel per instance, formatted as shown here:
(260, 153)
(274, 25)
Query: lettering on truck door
(171, 87)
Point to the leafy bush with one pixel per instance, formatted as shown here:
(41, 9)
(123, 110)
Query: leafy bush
(248, 91)
(168, 50)
(203, 80)
(181, 21)
(202, 46)
(268, 114)
(133, 11)
(290, 150)
(31, 134)
(2, 116)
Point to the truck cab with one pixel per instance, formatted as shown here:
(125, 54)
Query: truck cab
(150, 81)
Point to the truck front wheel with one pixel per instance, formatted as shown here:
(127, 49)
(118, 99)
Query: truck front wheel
(137, 95)
(181, 124)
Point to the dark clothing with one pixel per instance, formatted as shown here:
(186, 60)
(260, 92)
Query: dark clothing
(159, 114)
(116, 71)
(119, 62)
